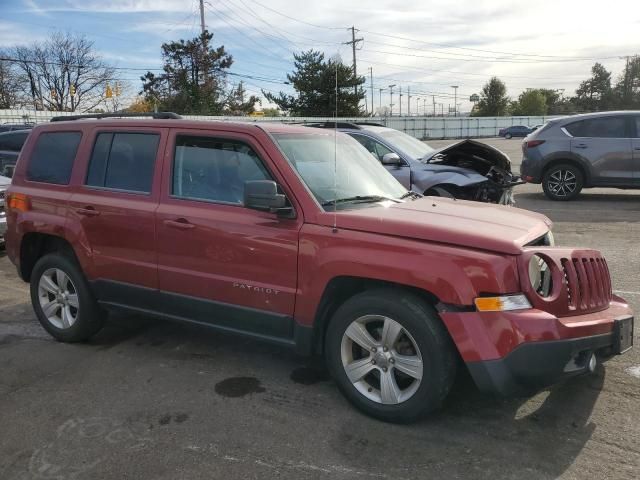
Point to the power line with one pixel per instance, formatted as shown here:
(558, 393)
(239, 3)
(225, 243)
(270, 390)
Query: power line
(297, 19)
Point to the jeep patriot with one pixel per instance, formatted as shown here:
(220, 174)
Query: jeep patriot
(300, 237)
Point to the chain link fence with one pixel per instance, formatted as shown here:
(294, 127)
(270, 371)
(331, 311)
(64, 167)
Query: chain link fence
(420, 127)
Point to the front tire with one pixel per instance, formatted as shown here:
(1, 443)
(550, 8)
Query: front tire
(508, 136)
(562, 182)
(390, 355)
(62, 300)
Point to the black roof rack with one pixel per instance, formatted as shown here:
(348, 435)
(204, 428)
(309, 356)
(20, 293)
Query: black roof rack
(98, 116)
(329, 124)
(353, 125)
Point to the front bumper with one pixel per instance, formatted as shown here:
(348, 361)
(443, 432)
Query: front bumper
(512, 352)
(3, 225)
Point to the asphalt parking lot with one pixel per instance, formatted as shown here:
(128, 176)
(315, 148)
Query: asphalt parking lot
(153, 400)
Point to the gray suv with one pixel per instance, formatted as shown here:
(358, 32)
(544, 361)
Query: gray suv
(591, 150)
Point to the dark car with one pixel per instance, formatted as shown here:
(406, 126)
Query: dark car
(581, 151)
(10, 127)
(515, 131)
(297, 236)
(466, 169)
(11, 143)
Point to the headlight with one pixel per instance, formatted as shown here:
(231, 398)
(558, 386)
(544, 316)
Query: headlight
(549, 240)
(540, 275)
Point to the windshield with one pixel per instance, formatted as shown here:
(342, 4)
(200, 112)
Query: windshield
(408, 144)
(353, 173)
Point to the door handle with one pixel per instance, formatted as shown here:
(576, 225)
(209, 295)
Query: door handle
(88, 212)
(180, 224)
(581, 145)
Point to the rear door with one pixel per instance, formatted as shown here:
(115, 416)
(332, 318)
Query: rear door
(115, 205)
(219, 262)
(605, 144)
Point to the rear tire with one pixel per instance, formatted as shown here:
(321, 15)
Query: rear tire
(508, 136)
(409, 363)
(562, 182)
(62, 300)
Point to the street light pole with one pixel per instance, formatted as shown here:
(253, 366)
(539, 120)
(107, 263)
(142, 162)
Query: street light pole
(455, 99)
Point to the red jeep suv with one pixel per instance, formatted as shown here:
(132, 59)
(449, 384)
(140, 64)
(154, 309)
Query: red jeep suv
(300, 237)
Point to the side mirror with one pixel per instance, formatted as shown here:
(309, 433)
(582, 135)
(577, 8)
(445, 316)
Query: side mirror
(263, 195)
(391, 159)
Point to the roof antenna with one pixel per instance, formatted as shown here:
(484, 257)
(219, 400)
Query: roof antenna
(335, 158)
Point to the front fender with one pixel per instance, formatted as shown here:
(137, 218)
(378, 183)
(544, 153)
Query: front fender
(455, 275)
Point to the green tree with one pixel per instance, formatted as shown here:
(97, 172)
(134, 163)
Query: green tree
(314, 81)
(493, 99)
(271, 112)
(238, 103)
(627, 89)
(193, 79)
(530, 102)
(595, 93)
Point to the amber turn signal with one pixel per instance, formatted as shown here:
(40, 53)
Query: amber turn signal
(18, 202)
(502, 304)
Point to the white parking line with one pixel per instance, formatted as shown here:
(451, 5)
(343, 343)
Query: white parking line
(626, 292)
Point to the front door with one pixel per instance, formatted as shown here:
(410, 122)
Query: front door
(219, 262)
(605, 144)
(115, 204)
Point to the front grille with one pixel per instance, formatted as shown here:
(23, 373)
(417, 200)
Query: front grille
(588, 282)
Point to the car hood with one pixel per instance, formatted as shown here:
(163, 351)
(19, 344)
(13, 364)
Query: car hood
(476, 225)
(489, 154)
(4, 182)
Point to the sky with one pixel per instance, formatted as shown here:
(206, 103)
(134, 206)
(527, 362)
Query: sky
(423, 47)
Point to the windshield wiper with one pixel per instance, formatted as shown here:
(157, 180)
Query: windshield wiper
(410, 194)
(359, 199)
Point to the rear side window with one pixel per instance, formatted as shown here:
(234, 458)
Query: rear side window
(13, 141)
(637, 127)
(604, 127)
(123, 161)
(52, 157)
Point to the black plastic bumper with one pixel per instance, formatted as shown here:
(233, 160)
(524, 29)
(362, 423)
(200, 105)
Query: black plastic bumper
(539, 364)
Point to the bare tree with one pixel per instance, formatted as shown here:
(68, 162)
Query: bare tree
(63, 73)
(9, 83)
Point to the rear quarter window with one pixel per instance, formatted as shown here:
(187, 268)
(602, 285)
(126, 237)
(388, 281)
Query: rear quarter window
(53, 156)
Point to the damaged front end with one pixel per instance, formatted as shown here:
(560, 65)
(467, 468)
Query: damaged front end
(468, 170)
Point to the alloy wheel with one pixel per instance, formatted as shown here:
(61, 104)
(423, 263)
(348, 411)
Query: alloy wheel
(562, 183)
(381, 359)
(58, 298)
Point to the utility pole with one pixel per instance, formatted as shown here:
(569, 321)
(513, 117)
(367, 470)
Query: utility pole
(424, 106)
(381, 89)
(371, 77)
(408, 101)
(433, 97)
(353, 43)
(400, 102)
(391, 99)
(204, 41)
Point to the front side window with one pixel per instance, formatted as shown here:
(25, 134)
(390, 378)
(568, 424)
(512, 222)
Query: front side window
(637, 127)
(376, 148)
(53, 156)
(123, 161)
(336, 168)
(214, 169)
